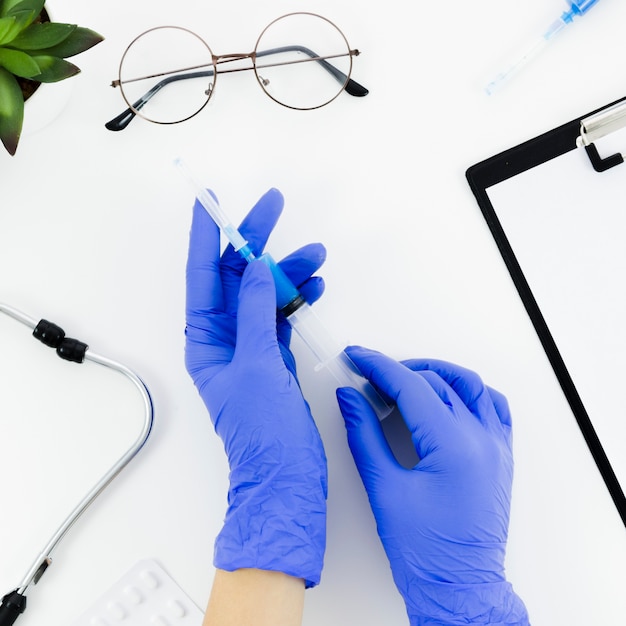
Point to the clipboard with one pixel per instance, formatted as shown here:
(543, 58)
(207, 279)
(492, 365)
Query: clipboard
(556, 208)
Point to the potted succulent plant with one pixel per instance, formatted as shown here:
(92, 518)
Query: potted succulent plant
(33, 50)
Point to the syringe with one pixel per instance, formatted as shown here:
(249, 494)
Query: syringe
(328, 352)
(577, 7)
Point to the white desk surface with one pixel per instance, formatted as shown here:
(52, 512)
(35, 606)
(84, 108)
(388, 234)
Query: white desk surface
(98, 245)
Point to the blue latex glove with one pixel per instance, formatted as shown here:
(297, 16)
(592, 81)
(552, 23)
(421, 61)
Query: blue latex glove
(443, 523)
(245, 373)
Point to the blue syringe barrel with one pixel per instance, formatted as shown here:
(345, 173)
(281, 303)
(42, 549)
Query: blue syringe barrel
(581, 6)
(577, 7)
(288, 298)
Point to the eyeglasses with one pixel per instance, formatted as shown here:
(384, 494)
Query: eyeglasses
(300, 60)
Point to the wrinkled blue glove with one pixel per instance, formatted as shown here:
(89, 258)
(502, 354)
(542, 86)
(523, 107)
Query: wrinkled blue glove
(241, 364)
(443, 523)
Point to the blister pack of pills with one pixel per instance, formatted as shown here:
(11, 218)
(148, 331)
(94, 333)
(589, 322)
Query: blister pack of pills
(144, 596)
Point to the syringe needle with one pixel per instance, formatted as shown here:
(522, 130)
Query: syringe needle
(514, 68)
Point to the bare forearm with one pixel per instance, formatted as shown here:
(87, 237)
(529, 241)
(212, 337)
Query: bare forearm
(256, 598)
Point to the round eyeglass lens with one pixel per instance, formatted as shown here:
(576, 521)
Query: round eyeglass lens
(302, 61)
(167, 74)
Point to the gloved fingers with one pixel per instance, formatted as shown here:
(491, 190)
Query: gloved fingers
(288, 358)
(256, 228)
(467, 385)
(260, 221)
(501, 405)
(312, 289)
(204, 286)
(207, 353)
(256, 317)
(503, 412)
(425, 411)
(300, 266)
(283, 330)
(370, 450)
(205, 246)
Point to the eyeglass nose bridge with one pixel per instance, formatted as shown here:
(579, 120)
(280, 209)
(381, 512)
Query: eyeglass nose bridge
(233, 57)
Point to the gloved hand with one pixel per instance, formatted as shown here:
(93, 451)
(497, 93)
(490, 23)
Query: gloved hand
(443, 523)
(245, 373)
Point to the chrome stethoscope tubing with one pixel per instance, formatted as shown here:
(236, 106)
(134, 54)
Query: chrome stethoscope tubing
(44, 559)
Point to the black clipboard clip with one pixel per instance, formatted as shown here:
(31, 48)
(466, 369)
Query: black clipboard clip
(598, 125)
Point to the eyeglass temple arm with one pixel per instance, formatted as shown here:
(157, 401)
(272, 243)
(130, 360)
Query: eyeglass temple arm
(353, 88)
(126, 117)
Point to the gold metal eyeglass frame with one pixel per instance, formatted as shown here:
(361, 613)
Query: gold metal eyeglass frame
(217, 66)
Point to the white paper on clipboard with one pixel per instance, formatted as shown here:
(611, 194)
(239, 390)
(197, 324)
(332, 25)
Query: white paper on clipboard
(566, 224)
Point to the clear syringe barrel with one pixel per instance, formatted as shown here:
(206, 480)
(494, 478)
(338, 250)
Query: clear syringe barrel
(331, 355)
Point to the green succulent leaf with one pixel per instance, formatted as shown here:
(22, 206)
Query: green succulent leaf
(80, 40)
(7, 5)
(6, 25)
(54, 69)
(41, 36)
(19, 22)
(25, 5)
(19, 63)
(11, 111)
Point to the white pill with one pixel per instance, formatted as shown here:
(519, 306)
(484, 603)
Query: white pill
(117, 610)
(176, 608)
(150, 579)
(133, 594)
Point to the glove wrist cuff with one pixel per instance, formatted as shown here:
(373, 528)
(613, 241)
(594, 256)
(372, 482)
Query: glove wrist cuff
(488, 604)
(277, 534)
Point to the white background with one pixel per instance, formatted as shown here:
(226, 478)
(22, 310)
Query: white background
(93, 235)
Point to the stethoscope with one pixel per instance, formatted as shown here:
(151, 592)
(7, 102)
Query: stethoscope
(13, 603)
